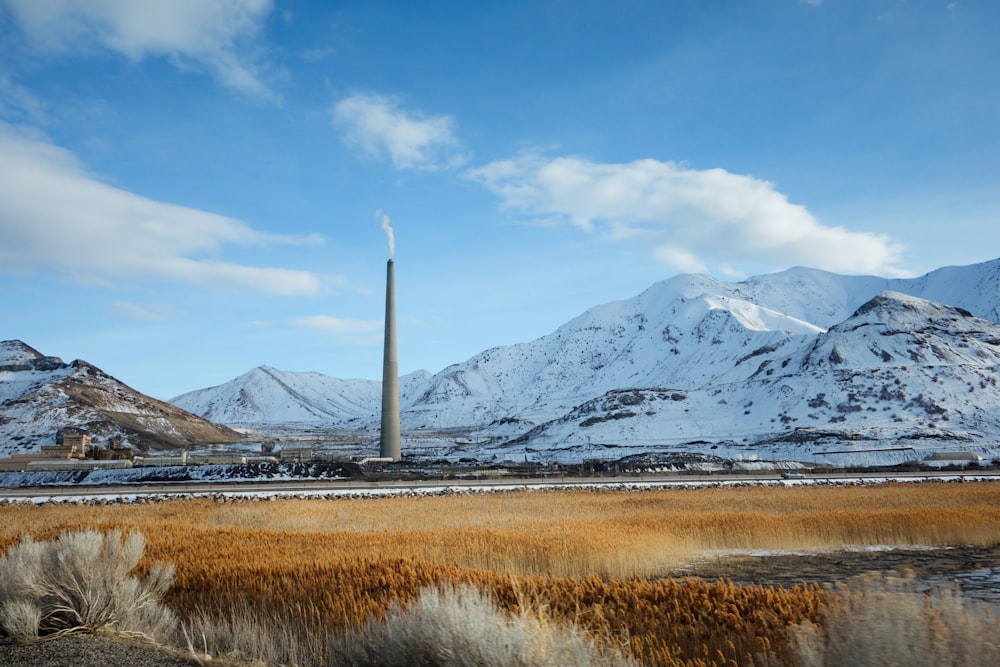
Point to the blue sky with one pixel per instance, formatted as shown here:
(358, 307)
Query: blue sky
(190, 189)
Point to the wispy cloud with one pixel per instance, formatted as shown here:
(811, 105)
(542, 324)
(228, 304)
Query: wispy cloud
(411, 140)
(213, 34)
(689, 217)
(19, 103)
(362, 332)
(95, 230)
(140, 312)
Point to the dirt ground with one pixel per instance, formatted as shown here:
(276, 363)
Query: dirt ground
(80, 650)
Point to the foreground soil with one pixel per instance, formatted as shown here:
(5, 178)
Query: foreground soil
(79, 650)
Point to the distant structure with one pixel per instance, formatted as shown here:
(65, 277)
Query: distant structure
(954, 457)
(74, 442)
(389, 442)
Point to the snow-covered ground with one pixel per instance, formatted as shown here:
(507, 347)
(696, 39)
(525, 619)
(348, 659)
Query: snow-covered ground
(230, 482)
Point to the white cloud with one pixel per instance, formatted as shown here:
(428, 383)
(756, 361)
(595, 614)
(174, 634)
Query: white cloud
(207, 32)
(55, 215)
(679, 258)
(411, 140)
(352, 331)
(689, 217)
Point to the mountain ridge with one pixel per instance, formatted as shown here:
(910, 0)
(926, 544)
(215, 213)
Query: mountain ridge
(693, 335)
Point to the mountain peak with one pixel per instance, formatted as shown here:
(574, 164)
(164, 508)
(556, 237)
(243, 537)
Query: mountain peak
(15, 355)
(890, 306)
(16, 351)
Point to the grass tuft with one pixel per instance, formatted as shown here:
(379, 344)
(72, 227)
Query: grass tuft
(893, 621)
(460, 626)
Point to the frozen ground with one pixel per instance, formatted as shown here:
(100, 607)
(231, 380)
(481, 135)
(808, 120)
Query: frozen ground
(975, 571)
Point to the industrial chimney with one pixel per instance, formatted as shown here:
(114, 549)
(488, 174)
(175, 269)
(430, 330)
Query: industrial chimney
(389, 445)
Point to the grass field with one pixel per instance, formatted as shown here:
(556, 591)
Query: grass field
(590, 557)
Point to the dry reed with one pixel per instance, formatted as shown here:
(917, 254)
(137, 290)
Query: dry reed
(588, 556)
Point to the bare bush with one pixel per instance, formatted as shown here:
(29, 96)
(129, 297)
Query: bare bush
(83, 582)
(888, 621)
(460, 626)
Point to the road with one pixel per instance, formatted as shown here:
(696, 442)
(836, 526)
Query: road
(472, 482)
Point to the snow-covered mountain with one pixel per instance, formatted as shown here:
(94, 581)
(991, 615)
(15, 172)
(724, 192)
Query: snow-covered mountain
(795, 354)
(902, 374)
(267, 395)
(40, 395)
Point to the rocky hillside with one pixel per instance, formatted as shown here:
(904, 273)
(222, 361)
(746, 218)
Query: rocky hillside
(39, 395)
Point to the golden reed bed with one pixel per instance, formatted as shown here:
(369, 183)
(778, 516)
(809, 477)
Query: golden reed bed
(592, 557)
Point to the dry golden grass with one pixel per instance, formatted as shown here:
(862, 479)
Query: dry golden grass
(567, 533)
(589, 556)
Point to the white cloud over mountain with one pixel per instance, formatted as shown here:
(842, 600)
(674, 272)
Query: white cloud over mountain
(346, 330)
(206, 33)
(97, 230)
(410, 140)
(688, 216)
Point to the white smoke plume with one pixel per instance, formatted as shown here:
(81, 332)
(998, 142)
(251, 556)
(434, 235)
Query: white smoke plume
(387, 228)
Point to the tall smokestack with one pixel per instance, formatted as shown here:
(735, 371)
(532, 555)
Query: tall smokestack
(389, 446)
